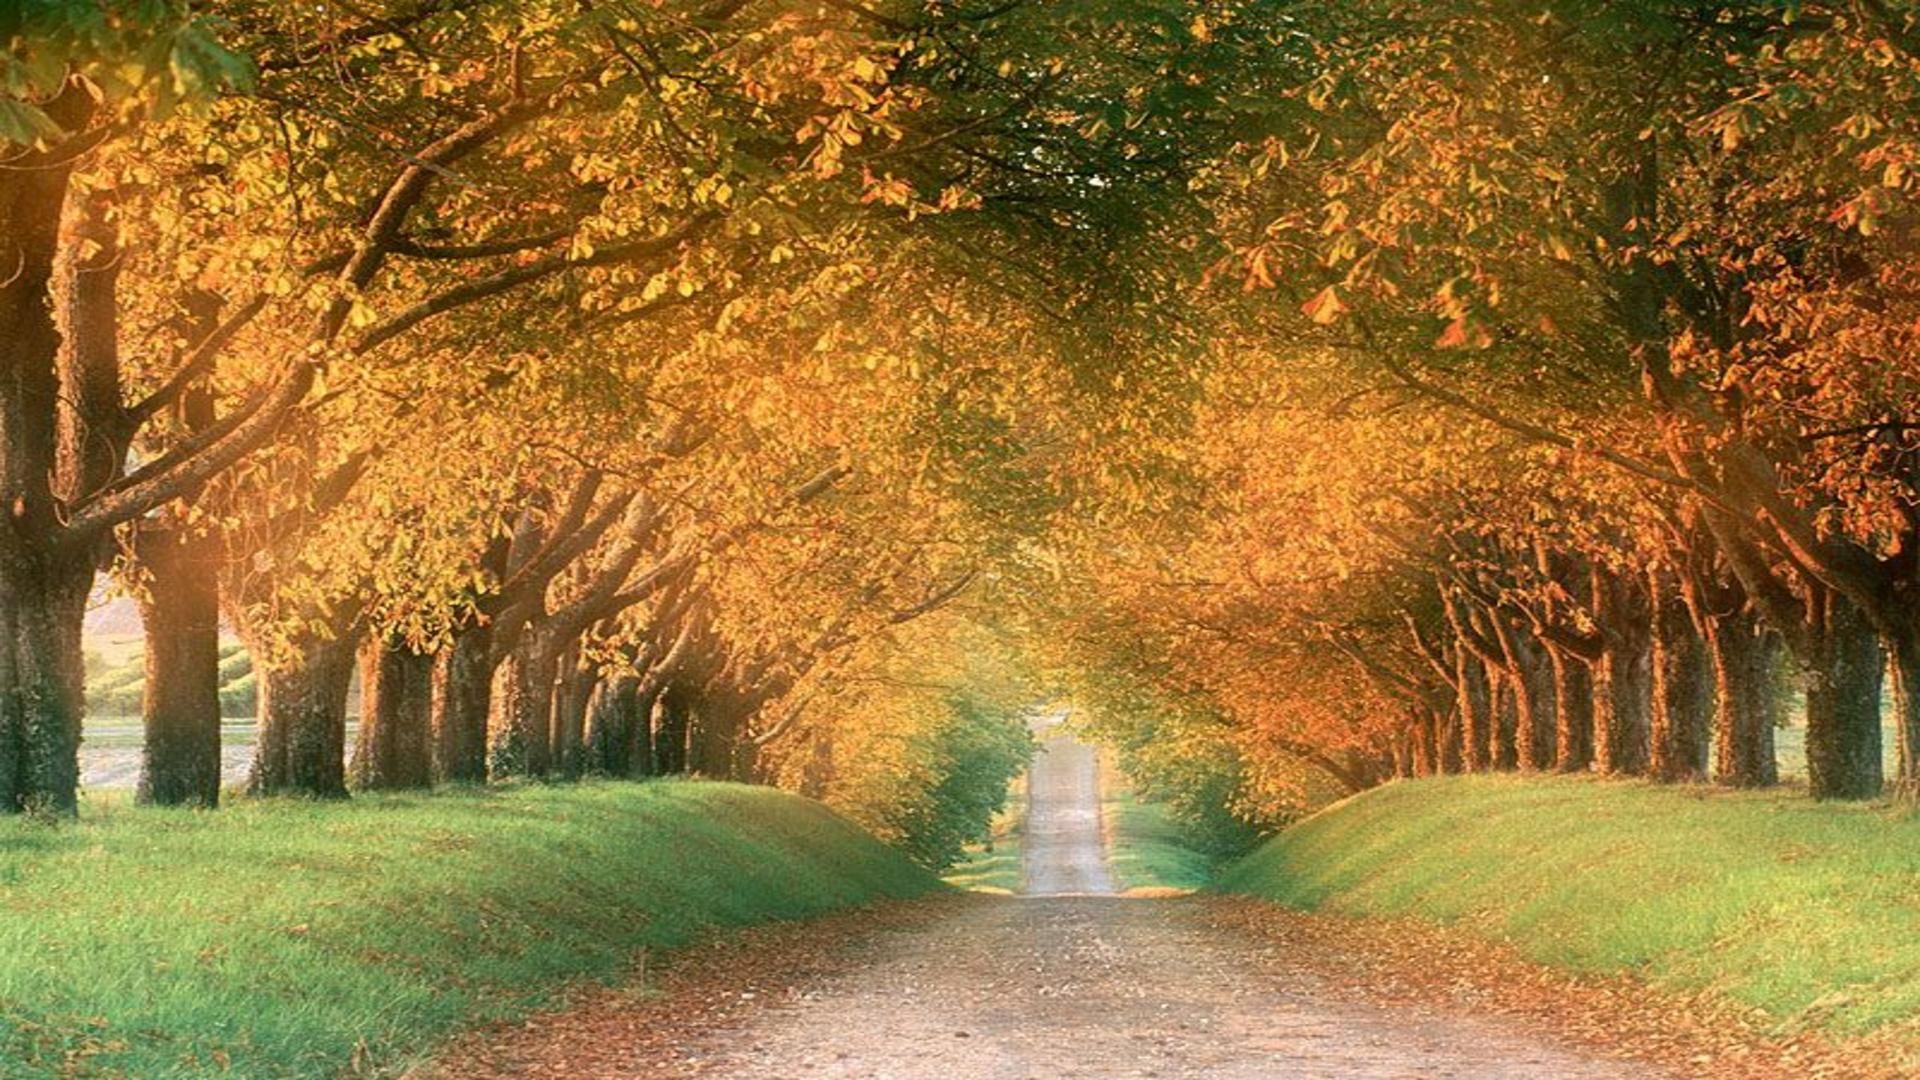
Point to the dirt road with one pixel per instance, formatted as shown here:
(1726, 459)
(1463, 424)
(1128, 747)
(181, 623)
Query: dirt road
(1062, 983)
(1071, 981)
(1105, 987)
(1065, 855)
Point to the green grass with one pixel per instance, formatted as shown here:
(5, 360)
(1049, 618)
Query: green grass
(286, 938)
(1147, 852)
(998, 866)
(1809, 911)
(1144, 846)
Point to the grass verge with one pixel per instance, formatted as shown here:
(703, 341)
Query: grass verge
(1802, 909)
(286, 938)
(1145, 853)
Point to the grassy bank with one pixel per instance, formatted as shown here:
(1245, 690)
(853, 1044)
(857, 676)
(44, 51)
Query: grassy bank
(1806, 910)
(1145, 851)
(308, 939)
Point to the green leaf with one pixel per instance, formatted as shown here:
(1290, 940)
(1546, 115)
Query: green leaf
(23, 123)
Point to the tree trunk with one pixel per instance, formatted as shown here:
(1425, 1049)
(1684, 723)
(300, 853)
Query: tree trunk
(1622, 680)
(395, 748)
(1573, 713)
(1683, 687)
(462, 694)
(180, 609)
(610, 723)
(670, 730)
(180, 711)
(1742, 659)
(710, 746)
(746, 761)
(519, 726)
(1534, 737)
(1622, 699)
(1843, 704)
(42, 677)
(1425, 745)
(816, 779)
(1506, 720)
(1452, 761)
(572, 693)
(641, 758)
(1903, 654)
(1528, 670)
(43, 585)
(300, 746)
(1476, 708)
(1698, 690)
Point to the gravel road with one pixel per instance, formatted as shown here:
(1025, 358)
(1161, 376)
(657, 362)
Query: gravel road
(1065, 855)
(1088, 986)
(1063, 982)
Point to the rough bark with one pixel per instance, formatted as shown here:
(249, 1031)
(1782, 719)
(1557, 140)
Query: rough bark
(670, 729)
(300, 747)
(394, 751)
(1903, 656)
(462, 694)
(1622, 680)
(43, 582)
(1506, 722)
(572, 691)
(1425, 746)
(1532, 673)
(1683, 686)
(641, 758)
(612, 714)
(1739, 654)
(1843, 704)
(1448, 736)
(180, 608)
(180, 710)
(817, 776)
(519, 725)
(711, 743)
(1742, 659)
(42, 605)
(1476, 707)
(1573, 712)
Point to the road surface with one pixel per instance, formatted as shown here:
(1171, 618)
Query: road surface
(1063, 982)
(1065, 853)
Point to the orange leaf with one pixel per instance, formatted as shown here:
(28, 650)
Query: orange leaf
(1326, 306)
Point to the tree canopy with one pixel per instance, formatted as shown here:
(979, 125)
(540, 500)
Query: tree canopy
(796, 391)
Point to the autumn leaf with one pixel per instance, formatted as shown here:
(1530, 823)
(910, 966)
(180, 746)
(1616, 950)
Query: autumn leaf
(1326, 306)
(1463, 332)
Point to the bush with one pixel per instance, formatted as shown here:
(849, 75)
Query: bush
(116, 691)
(1180, 754)
(241, 697)
(971, 758)
(234, 663)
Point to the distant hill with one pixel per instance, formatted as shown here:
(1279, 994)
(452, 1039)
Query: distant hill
(113, 617)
